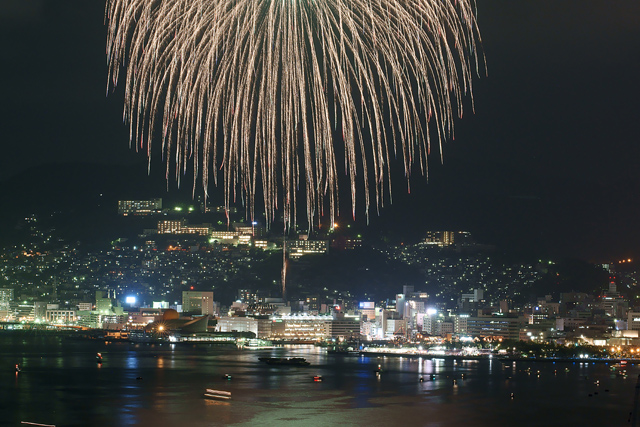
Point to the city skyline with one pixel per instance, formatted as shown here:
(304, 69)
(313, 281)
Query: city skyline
(546, 161)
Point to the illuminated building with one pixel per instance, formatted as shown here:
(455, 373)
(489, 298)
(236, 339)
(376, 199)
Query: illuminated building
(396, 328)
(84, 306)
(238, 324)
(298, 248)
(247, 296)
(444, 328)
(108, 313)
(261, 244)
(303, 327)
(448, 238)
(633, 321)
(494, 327)
(253, 229)
(440, 238)
(25, 312)
(612, 302)
(569, 323)
(343, 327)
(227, 237)
(368, 310)
(460, 324)
(144, 316)
(61, 316)
(160, 304)
(171, 226)
(6, 297)
(343, 243)
(40, 310)
(197, 302)
(201, 230)
(180, 227)
(139, 207)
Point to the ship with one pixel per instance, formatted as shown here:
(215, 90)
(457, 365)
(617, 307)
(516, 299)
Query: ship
(284, 361)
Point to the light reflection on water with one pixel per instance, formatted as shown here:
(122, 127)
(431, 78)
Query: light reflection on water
(152, 385)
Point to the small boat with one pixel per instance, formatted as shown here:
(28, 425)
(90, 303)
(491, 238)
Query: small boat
(284, 361)
(317, 378)
(18, 368)
(99, 357)
(227, 377)
(217, 394)
(621, 365)
(28, 423)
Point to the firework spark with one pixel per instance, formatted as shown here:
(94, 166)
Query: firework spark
(272, 95)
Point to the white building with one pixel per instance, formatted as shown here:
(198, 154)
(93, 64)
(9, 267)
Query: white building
(61, 316)
(238, 324)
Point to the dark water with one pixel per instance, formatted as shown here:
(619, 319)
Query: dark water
(62, 384)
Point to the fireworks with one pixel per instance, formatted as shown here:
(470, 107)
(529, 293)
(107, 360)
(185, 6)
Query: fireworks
(270, 97)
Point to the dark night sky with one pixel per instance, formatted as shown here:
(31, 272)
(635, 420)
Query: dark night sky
(548, 161)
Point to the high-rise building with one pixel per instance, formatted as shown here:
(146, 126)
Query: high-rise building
(6, 297)
(343, 327)
(197, 302)
(139, 207)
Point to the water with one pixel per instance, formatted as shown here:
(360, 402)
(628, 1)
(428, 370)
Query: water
(62, 384)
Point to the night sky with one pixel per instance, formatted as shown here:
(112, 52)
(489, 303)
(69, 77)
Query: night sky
(548, 162)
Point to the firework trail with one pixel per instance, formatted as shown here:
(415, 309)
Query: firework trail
(272, 95)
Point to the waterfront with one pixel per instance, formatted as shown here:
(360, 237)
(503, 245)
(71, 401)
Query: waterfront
(61, 383)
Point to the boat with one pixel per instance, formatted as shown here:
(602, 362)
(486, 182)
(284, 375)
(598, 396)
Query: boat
(99, 358)
(217, 394)
(621, 365)
(343, 352)
(317, 378)
(284, 361)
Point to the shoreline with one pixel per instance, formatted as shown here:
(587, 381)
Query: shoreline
(498, 358)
